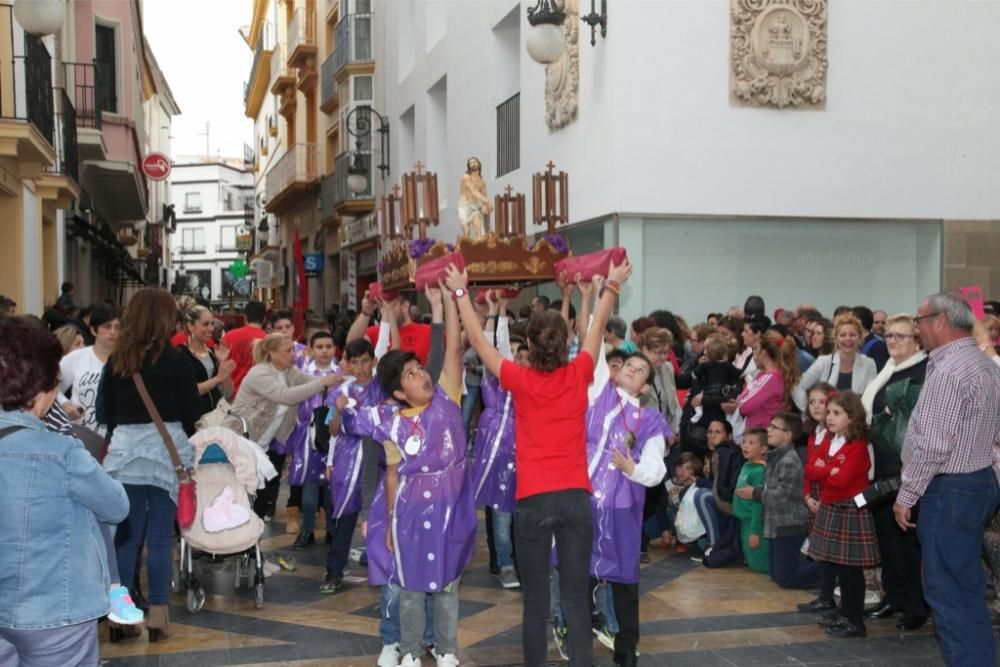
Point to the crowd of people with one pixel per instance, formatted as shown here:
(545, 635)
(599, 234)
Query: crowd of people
(853, 455)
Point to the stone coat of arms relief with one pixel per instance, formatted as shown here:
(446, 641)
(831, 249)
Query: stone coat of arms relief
(562, 78)
(778, 53)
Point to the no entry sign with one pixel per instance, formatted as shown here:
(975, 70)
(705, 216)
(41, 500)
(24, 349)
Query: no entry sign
(156, 166)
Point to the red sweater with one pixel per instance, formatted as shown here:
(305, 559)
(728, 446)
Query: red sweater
(812, 450)
(851, 463)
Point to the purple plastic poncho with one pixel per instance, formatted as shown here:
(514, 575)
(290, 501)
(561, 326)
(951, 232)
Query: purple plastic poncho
(493, 468)
(309, 465)
(434, 517)
(347, 453)
(617, 501)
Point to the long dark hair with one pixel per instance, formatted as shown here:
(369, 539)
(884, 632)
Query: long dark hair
(147, 325)
(548, 337)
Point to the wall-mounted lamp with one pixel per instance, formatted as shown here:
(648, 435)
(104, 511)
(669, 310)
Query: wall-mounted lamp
(593, 19)
(545, 39)
(359, 126)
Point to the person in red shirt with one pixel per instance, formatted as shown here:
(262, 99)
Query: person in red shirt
(241, 341)
(843, 536)
(553, 487)
(413, 336)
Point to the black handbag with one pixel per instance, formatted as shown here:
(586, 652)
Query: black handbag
(321, 432)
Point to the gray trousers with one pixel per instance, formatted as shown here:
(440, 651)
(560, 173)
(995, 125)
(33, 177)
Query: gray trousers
(74, 645)
(413, 618)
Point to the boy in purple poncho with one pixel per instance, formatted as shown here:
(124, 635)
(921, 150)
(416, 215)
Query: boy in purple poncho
(493, 466)
(429, 510)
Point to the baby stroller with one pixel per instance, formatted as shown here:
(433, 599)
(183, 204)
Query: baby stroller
(226, 477)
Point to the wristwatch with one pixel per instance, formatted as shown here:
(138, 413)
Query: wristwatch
(459, 293)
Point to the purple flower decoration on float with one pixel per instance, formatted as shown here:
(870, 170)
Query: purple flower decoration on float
(419, 247)
(379, 267)
(450, 247)
(557, 242)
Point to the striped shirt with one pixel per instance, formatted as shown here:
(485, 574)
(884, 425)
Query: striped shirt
(955, 425)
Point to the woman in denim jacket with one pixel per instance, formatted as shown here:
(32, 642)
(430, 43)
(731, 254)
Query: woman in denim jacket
(53, 569)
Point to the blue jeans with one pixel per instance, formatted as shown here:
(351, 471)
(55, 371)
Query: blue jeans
(312, 494)
(342, 532)
(503, 539)
(952, 515)
(151, 514)
(55, 647)
(469, 401)
(600, 596)
(388, 606)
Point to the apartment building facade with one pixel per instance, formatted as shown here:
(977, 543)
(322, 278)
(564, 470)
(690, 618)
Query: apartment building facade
(313, 66)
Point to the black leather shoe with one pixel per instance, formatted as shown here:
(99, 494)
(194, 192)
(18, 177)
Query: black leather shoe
(831, 621)
(911, 622)
(304, 540)
(884, 610)
(846, 629)
(816, 606)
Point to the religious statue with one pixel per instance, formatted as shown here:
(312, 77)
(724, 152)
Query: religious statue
(473, 201)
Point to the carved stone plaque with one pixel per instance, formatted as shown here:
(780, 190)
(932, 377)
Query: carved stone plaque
(778, 53)
(562, 78)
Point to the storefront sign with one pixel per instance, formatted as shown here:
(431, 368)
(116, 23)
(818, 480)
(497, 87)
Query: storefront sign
(156, 166)
(314, 263)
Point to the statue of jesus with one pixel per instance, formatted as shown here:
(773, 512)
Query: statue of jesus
(473, 201)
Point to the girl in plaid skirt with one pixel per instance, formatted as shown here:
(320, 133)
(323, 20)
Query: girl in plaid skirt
(818, 437)
(843, 536)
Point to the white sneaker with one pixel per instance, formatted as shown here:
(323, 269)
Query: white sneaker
(270, 567)
(446, 660)
(409, 661)
(389, 656)
(872, 598)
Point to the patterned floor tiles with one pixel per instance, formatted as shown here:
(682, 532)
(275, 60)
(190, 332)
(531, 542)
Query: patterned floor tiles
(690, 616)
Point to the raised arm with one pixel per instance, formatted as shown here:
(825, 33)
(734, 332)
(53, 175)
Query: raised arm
(361, 322)
(583, 317)
(452, 370)
(617, 275)
(473, 329)
(435, 360)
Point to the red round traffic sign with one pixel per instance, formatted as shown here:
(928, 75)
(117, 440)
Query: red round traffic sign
(156, 166)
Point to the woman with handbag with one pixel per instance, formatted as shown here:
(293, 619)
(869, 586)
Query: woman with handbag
(213, 370)
(149, 451)
(267, 395)
(889, 400)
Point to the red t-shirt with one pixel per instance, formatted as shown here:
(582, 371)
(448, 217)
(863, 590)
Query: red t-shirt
(240, 342)
(181, 337)
(550, 425)
(413, 337)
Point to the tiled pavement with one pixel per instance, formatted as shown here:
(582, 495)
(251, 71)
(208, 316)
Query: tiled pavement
(690, 616)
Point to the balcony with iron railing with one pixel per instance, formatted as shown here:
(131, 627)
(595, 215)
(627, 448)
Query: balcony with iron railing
(345, 201)
(354, 41)
(329, 98)
(67, 150)
(256, 86)
(302, 36)
(83, 80)
(282, 76)
(26, 96)
(292, 176)
(328, 198)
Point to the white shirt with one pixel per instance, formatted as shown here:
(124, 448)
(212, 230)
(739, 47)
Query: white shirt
(81, 370)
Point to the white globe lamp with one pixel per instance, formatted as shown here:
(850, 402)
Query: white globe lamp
(40, 17)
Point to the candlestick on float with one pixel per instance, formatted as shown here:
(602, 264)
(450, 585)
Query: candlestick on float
(550, 198)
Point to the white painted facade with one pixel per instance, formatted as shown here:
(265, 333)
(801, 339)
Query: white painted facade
(713, 201)
(209, 204)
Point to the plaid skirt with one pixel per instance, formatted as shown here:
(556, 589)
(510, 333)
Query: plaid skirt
(845, 535)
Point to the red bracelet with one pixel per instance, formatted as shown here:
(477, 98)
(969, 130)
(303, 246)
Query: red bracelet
(614, 285)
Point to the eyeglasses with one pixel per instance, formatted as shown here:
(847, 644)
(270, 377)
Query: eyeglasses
(779, 428)
(927, 316)
(898, 336)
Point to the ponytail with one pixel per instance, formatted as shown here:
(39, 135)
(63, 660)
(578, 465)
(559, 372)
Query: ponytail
(782, 350)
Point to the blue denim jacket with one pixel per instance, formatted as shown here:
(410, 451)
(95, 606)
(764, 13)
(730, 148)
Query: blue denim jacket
(53, 566)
